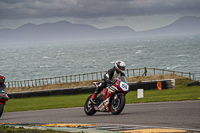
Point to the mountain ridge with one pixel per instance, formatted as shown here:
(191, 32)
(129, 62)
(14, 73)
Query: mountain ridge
(65, 31)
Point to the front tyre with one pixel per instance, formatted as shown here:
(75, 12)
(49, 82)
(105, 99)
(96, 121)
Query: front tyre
(1, 109)
(88, 108)
(117, 104)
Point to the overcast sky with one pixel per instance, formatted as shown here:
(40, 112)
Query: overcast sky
(136, 14)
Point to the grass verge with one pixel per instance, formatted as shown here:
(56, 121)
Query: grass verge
(181, 92)
(7, 129)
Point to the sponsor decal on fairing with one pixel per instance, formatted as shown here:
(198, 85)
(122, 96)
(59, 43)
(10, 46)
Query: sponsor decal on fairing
(104, 104)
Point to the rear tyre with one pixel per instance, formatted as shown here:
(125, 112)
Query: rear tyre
(117, 104)
(88, 108)
(1, 109)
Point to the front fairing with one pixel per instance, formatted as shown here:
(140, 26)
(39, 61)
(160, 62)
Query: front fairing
(122, 85)
(3, 95)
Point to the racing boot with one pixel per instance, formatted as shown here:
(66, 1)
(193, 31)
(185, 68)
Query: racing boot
(93, 97)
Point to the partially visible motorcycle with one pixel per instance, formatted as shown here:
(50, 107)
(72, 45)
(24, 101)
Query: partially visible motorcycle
(111, 99)
(3, 98)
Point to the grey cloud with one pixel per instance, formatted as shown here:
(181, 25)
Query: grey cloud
(12, 9)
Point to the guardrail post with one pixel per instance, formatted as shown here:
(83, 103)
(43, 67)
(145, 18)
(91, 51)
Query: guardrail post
(190, 76)
(127, 73)
(35, 82)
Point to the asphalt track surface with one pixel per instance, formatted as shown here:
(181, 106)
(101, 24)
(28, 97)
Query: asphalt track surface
(178, 114)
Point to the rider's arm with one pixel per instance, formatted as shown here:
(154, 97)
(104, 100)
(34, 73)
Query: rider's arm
(123, 74)
(109, 75)
(3, 87)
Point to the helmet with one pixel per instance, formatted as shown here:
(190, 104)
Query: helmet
(120, 66)
(2, 79)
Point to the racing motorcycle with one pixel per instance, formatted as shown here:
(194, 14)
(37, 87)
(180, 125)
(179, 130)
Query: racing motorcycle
(3, 98)
(111, 99)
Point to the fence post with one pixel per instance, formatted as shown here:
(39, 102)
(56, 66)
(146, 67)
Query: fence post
(47, 81)
(15, 84)
(28, 83)
(18, 83)
(190, 76)
(66, 78)
(32, 82)
(35, 82)
(127, 73)
(24, 83)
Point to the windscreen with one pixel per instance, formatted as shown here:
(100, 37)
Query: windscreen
(123, 78)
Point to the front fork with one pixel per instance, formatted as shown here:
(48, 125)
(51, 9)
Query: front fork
(115, 98)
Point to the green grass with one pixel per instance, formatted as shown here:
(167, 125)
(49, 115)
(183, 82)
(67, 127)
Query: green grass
(181, 92)
(7, 129)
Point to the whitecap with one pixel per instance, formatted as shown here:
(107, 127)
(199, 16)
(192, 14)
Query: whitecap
(138, 52)
(181, 55)
(173, 67)
(45, 57)
(45, 66)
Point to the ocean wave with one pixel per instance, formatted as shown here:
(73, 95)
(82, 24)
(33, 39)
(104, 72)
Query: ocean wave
(45, 57)
(181, 55)
(173, 67)
(45, 66)
(138, 52)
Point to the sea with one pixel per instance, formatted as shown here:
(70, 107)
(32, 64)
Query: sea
(45, 60)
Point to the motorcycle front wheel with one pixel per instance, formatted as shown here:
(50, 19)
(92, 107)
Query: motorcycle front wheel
(1, 109)
(88, 108)
(117, 104)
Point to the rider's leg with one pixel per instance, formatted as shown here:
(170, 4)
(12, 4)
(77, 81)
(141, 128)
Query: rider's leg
(98, 89)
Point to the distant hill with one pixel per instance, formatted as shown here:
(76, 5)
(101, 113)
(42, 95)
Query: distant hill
(62, 31)
(185, 25)
(65, 31)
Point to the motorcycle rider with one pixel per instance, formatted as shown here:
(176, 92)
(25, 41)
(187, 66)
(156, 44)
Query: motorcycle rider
(109, 77)
(2, 85)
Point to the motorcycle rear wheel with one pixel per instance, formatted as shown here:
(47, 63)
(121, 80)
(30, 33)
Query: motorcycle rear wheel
(88, 108)
(117, 105)
(1, 109)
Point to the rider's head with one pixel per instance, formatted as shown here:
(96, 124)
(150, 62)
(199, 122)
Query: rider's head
(120, 66)
(2, 79)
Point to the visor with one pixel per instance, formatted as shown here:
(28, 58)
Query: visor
(122, 68)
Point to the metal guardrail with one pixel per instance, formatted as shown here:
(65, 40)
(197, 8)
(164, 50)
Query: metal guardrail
(94, 76)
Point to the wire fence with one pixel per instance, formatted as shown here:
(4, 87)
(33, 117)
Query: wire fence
(94, 76)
